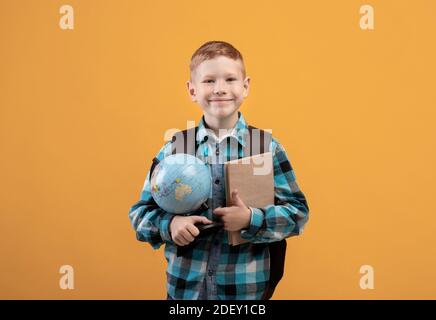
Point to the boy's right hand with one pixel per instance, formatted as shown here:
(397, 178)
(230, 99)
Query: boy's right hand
(182, 228)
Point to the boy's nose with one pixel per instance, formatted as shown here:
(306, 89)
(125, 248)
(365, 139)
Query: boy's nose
(220, 88)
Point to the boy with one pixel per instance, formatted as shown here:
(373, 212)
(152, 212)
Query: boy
(213, 269)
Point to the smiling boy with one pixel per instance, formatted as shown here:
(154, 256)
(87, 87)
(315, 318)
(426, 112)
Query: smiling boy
(213, 269)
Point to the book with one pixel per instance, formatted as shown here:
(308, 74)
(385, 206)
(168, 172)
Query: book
(253, 177)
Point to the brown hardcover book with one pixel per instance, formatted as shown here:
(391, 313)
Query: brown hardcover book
(254, 178)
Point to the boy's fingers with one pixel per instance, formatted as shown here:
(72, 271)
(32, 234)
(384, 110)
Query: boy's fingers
(201, 219)
(187, 235)
(180, 241)
(193, 230)
(182, 238)
(206, 220)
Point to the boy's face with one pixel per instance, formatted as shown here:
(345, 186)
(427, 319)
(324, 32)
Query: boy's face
(219, 87)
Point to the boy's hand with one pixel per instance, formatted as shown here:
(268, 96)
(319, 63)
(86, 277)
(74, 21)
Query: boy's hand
(236, 217)
(182, 228)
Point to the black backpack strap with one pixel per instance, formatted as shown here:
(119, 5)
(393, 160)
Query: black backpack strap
(153, 165)
(182, 142)
(257, 141)
(277, 255)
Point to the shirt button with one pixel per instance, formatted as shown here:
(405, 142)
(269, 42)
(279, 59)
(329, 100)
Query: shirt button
(205, 138)
(217, 181)
(210, 273)
(217, 152)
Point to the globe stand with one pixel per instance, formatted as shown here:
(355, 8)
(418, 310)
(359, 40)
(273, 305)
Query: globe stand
(208, 229)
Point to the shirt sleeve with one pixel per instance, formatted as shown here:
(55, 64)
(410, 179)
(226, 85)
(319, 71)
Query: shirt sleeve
(150, 222)
(290, 212)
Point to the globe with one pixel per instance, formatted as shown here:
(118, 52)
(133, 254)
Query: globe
(181, 183)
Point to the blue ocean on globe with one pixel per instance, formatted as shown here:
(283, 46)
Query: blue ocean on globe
(181, 183)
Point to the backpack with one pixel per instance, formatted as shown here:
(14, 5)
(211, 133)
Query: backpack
(182, 143)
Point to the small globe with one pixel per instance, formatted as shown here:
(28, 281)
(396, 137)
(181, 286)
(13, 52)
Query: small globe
(181, 183)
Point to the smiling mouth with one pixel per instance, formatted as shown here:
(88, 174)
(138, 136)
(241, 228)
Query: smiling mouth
(221, 100)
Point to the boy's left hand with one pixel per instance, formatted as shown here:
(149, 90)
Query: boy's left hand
(236, 217)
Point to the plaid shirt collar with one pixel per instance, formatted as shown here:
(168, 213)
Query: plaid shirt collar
(238, 132)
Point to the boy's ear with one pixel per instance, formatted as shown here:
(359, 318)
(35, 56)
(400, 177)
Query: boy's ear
(191, 90)
(246, 86)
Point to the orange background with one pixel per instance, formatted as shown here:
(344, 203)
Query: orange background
(83, 112)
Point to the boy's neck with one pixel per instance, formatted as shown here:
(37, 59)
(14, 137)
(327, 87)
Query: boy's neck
(217, 124)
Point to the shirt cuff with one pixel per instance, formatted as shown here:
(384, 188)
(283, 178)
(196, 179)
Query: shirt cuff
(164, 227)
(256, 223)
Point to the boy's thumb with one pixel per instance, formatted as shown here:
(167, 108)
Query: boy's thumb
(236, 199)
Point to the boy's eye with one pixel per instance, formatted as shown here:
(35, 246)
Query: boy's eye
(231, 79)
(208, 81)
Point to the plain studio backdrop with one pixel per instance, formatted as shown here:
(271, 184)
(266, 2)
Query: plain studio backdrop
(84, 111)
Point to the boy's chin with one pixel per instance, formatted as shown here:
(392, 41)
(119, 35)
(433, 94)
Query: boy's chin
(222, 112)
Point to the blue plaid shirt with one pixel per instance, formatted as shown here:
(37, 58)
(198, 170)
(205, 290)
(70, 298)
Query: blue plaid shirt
(214, 269)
